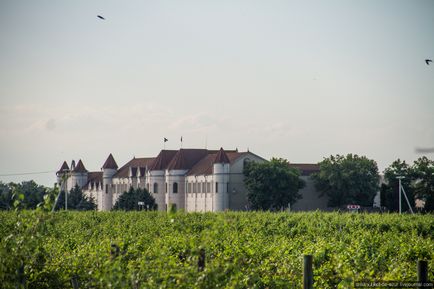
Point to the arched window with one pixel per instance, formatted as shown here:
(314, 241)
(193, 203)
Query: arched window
(155, 188)
(175, 188)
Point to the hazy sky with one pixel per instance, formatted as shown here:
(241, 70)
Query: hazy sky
(295, 79)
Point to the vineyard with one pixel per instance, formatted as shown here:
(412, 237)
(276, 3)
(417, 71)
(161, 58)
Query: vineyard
(223, 250)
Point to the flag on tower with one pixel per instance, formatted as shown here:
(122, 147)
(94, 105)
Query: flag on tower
(165, 139)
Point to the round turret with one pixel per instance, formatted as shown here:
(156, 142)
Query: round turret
(109, 169)
(221, 169)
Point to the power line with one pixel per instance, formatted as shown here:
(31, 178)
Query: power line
(23, 174)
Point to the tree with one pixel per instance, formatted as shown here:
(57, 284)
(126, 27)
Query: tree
(29, 194)
(76, 200)
(5, 197)
(423, 183)
(391, 188)
(349, 179)
(129, 200)
(272, 185)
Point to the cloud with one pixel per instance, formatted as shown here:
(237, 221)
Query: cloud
(50, 124)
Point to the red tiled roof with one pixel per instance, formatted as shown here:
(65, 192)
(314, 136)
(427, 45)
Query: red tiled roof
(221, 157)
(141, 163)
(63, 168)
(110, 163)
(93, 178)
(305, 169)
(205, 165)
(162, 160)
(234, 155)
(79, 168)
(185, 159)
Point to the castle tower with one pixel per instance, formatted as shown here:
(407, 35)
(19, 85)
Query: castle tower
(156, 180)
(78, 175)
(176, 172)
(221, 180)
(106, 194)
(62, 176)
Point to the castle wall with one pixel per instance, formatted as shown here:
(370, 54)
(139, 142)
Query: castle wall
(237, 190)
(158, 178)
(175, 178)
(310, 198)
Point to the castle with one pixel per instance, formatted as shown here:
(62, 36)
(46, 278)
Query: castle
(196, 180)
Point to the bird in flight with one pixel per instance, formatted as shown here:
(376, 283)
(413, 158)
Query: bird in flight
(100, 17)
(427, 61)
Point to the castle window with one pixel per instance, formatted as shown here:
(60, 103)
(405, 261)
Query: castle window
(155, 188)
(203, 188)
(166, 187)
(216, 187)
(106, 189)
(175, 188)
(208, 187)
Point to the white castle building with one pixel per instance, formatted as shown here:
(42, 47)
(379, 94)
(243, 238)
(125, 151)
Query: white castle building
(192, 179)
(196, 180)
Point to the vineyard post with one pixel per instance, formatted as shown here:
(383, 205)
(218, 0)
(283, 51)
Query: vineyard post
(422, 272)
(307, 272)
(201, 261)
(74, 282)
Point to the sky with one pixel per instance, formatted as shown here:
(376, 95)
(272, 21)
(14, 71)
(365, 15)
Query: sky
(300, 80)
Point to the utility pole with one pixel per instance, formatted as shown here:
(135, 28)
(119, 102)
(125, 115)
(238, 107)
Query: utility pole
(402, 191)
(399, 192)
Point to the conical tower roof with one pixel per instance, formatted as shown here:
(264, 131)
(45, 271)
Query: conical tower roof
(221, 157)
(110, 163)
(79, 168)
(63, 168)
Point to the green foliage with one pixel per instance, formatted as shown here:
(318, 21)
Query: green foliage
(398, 168)
(242, 250)
(129, 200)
(423, 185)
(272, 185)
(25, 195)
(418, 182)
(349, 179)
(77, 200)
(5, 197)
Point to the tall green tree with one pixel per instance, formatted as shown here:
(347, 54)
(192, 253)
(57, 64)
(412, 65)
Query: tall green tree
(391, 188)
(6, 199)
(77, 200)
(272, 185)
(29, 193)
(349, 179)
(423, 183)
(129, 200)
